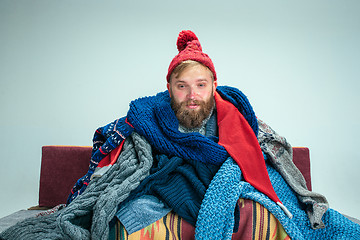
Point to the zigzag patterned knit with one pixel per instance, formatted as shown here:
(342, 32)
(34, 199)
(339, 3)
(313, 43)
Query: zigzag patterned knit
(105, 140)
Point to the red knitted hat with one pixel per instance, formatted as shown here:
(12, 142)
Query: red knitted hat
(190, 49)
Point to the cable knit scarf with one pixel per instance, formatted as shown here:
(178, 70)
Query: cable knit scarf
(89, 215)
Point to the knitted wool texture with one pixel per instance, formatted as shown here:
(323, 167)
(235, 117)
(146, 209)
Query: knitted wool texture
(66, 223)
(105, 140)
(190, 49)
(180, 184)
(89, 215)
(279, 152)
(163, 134)
(216, 216)
(153, 118)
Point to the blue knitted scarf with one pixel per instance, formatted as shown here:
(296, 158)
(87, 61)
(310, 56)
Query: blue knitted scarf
(180, 184)
(153, 118)
(216, 216)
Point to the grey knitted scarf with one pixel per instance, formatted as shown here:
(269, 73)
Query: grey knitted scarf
(88, 216)
(281, 156)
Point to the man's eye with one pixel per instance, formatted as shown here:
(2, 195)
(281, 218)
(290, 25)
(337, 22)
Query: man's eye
(181, 86)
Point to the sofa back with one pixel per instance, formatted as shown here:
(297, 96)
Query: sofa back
(62, 166)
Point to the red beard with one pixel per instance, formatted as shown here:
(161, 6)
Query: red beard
(192, 118)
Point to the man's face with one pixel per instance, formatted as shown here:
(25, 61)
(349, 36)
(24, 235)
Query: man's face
(192, 95)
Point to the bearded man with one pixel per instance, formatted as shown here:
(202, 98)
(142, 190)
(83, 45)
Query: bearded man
(191, 89)
(190, 162)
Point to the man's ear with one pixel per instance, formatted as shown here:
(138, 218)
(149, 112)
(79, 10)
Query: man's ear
(168, 87)
(214, 85)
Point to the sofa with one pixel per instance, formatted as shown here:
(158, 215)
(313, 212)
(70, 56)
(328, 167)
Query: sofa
(62, 166)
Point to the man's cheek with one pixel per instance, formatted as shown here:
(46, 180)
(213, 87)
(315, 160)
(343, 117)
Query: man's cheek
(179, 97)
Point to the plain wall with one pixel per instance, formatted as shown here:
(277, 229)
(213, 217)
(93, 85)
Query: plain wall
(68, 67)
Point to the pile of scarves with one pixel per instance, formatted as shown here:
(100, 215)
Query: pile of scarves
(150, 124)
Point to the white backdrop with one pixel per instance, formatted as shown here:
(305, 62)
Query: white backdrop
(68, 67)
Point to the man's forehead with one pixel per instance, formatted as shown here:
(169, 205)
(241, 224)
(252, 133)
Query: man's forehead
(197, 80)
(202, 73)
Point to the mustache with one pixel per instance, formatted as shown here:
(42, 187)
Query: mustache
(189, 102)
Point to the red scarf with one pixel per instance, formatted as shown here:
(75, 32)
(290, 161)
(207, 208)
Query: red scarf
(239, 140)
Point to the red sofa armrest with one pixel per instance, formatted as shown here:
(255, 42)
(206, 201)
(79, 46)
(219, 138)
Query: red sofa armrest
(62, 166)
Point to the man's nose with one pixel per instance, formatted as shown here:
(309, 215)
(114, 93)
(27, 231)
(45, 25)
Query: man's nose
(192, 93)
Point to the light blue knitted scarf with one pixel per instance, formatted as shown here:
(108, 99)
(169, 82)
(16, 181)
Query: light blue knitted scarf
(216, 216)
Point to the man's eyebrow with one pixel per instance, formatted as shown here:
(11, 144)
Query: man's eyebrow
(184, 82)
(202, 80)
(179, 81)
